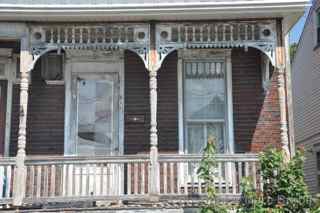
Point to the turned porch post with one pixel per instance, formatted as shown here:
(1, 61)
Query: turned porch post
(154, 183)
(21, 171)
(281, 76)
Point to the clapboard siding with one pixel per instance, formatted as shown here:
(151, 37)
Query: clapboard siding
(137, 102)
(168, 105)
(3, 102)
(45, 124)
(256, 115)
(306, 96)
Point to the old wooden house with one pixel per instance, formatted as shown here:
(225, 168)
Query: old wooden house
(109, 100)
(306, 68)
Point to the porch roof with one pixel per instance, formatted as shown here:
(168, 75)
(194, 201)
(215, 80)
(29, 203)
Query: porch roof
(143, 10)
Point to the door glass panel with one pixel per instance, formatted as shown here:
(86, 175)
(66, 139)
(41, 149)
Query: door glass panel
(97, 116)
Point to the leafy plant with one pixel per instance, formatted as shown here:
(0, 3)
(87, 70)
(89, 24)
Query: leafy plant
(316, 205)
(284, 189)
(250, 201)
(283, 183)
(271, 162)
(206, 172)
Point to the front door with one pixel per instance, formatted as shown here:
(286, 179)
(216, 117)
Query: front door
(95, 120)
(97, 106)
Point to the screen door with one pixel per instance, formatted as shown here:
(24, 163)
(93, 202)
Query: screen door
(97, 100)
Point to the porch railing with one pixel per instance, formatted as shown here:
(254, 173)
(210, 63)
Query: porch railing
(118, 178)
(7, 168)
(67, 179)
(179, 175)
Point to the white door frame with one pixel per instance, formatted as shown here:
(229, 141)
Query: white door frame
(74, 57)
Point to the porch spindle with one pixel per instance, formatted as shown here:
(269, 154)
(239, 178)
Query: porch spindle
(21, 170)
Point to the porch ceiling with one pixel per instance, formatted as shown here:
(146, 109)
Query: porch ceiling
(134, 10)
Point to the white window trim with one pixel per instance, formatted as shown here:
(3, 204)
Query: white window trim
(10, 71)
(214, 54)
(103, 57)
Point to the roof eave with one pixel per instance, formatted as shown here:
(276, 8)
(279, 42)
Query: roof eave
(144, 12)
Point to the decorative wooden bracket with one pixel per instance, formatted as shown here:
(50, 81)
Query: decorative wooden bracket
(134, 37)
(259, 35)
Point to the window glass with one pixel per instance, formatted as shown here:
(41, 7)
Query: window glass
(204, 104)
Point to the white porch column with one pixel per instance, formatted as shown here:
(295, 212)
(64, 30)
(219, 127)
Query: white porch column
(21, 171)
(154, 164)
(281, 76)
(153, 66)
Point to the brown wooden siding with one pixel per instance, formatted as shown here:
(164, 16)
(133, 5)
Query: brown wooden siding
(15, 120)
(168, 105)
(136, 135)
(3, 101)
(45, 124)
(256, 115)
(137, 102)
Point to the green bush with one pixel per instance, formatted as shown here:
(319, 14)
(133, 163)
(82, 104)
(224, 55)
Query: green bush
(284, 189)
(283, 183)
(250, 201)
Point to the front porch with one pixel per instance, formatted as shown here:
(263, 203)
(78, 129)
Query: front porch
(123, 111)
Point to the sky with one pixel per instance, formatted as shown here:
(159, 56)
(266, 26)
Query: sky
(298, 28)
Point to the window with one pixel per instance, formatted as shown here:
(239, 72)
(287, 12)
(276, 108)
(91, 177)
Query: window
(52, 68)
(204, 92)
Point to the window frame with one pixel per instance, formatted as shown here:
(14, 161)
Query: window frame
(7, 58)
(208, 55)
